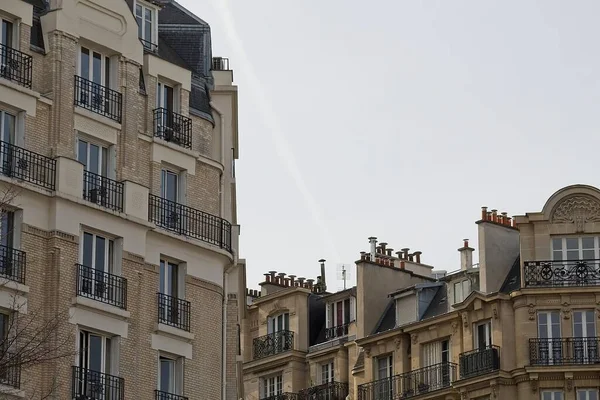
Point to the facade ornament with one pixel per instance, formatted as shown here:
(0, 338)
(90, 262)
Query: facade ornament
(566, 313)
(465, 321)
(367, 351)
(531, 312)
(534, 382)
(397, 342)
(495, 311)
(415, 338)
(569, 383)
(464, 395)
(455, 327)
(577, 210)
(494, 387)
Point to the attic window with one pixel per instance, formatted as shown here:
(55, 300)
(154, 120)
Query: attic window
(461, 290)
(146, 17)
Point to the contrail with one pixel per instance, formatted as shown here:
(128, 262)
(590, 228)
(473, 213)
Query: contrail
(270, 119)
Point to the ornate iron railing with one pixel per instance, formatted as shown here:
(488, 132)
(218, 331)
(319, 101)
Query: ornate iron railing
(190, 222)
(174, 311)
(94, 385)
(26, 165)
(326, 391)
(15, 66)
(97, 98)
(10, 371)
(101, 286)
(479, 362)
(403, 386)
(158, 395)
(173, 127)
(149, 46)
(562, 273)
(12, 264)
(282, 396)
(273, 343)
(564, 351)
(103, 191)
(336, 331)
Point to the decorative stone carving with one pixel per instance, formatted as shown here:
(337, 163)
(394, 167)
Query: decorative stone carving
(569, 383)
(415, 338)
(367, 351)
(494, 387)
(464, 319)
(455, 327)
(397, 342)
(495, 312)
(464, 395)
(534, 384)
(577, 210)
(531, 312)
(566, 313)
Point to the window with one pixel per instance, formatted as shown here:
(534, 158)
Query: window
(94, 157)
(169, 185)
(272, 386)
(170, 376)
(164, 97)
(146, 20)
(576, 248)
(462, 289)
(483, 335)
(7, 33)
(549, 328)
(278, 323)
(436, 353)
(340, 312)
(8, 123)
(94, 361)
(94, 66)
(587, 394)
(169, 277)
(552, 395)
(584, 341)
(385, 369)
(97, 259)
(326, 372)
(7, 219)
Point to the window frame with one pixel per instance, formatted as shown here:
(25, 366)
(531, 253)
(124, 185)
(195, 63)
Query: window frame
(586, 394)
(177, 383)
(104, 59)
(326, 373)
(111, 259)
(175, 290)
(164, 173)
(564, 250)
(348, 309)
(153, 24)
(272, 324)
(107, 350)
(272, 385)
(487, 332)
(463, 293)
(389, 367)
(14, 32)
(553, 395)
(105, 158)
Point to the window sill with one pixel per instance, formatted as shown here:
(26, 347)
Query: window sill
(97, 117)
(169, 330)
(97, 305)
(11, 391)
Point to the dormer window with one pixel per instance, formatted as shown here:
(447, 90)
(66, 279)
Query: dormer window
(146, 17)
(462, 290)
(339, 314)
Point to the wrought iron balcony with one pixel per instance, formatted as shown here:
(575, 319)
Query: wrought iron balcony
(337, 331)
(326, 391)
(97, 98)
(28, 166)
(190, 222)
(94, 385)
(173, 127)
(103, 191)
(158, 395)
(10, 372)
(479, 362)
(273, 343)
(12, 264)
(403, 386)
(562, 273)
(564, 351)
(15, 66)
(174, 311)
(282, 396)
(149, 46)
(101, 286)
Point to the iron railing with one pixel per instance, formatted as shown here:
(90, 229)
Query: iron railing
(103, 191)
(273, 343)
(479, 362)
(101, 286)
(403, 386)
(158, 395)
(337, 331)
(10, 371)
(190, 222)
(12, 264)
(28, 166)
(149, 46)
(282, 396)
(220, 64)
(94, 385)
(326, 391)
(173, 127)
(174, 311)
(15, 66)
(564, 351)
(97, 98)
(562, 273)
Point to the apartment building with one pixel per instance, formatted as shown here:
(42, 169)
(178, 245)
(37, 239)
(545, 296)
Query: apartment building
(118, 142)
(521, 323)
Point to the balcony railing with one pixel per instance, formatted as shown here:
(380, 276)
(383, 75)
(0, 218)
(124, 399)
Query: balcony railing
(220, 64)
(326, 391)
(10, 372)
(173, 127)
(337, 331)
(158, 395)
(562, 273)
(103, 191)
(101, 286)
(479, 362)
(564, 351)
(28, 166)
(403, 386)
(174, 311)
(97, 98)
(93, 385)
(282, 396)
(273, 343)
(12, 264)
(15, 66)
(149, 46)
(190, 222)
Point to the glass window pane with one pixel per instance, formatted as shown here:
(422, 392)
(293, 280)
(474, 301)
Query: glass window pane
(85, 63)
(171, 187)
(167, 370)
(82, 152)
(589, 254)
(557, 255)
(572, 255)
(100, 253)
(95, 353)
(148, 31)
(8, 133)
(556, 244)
(88, 248)
(97, 68)
(94, 159)
(587, 242)
(138, 10)
(572, 243)
(6, 35)
(163, 276)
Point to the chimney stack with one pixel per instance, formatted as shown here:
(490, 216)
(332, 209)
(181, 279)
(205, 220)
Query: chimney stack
(373, 242)
(466, 256)
(323, 284)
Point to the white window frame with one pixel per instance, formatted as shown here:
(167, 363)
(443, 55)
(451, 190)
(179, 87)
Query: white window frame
(106, 352)
(177, 377)
(273, 325)
(165, 171)
(552, 395)
(564, 251)
(109, 173)
(587, 394)
(388, 367)
(103, 58)
(465, 289)
(326, 373)
(154, 23)
(111, 262)
(331, 318)
(487, 332)
(160, 98)
(14, 33)
(272, 385)
(165, 289)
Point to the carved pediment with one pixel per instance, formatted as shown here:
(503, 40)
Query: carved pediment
(577, 210)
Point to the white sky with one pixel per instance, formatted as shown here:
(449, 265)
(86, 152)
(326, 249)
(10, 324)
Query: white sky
(400, 119)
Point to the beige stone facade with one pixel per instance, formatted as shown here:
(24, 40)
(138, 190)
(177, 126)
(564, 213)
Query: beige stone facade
(521, 323)
(124, 217)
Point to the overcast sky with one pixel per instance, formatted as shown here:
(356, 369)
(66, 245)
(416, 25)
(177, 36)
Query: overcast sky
(400, 119)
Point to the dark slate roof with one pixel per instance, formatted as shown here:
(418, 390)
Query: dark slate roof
(388, 319)
(166, 52)
(438, 305)
(513, 279)
(37, 3)
(360, 361)
(171, 14)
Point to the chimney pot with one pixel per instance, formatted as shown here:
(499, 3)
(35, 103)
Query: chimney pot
(466, 242)
(309, 282)
(494, 215)
(267, 277)
(390, 251)
(383, 245)
(399, 255)
(484, 213)
(402, 265)
(292, 278)
(417, 255)
(373, 244)
(504, 218)
(405, 251)
(410, 257)
(286, 282)
(301, 281)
